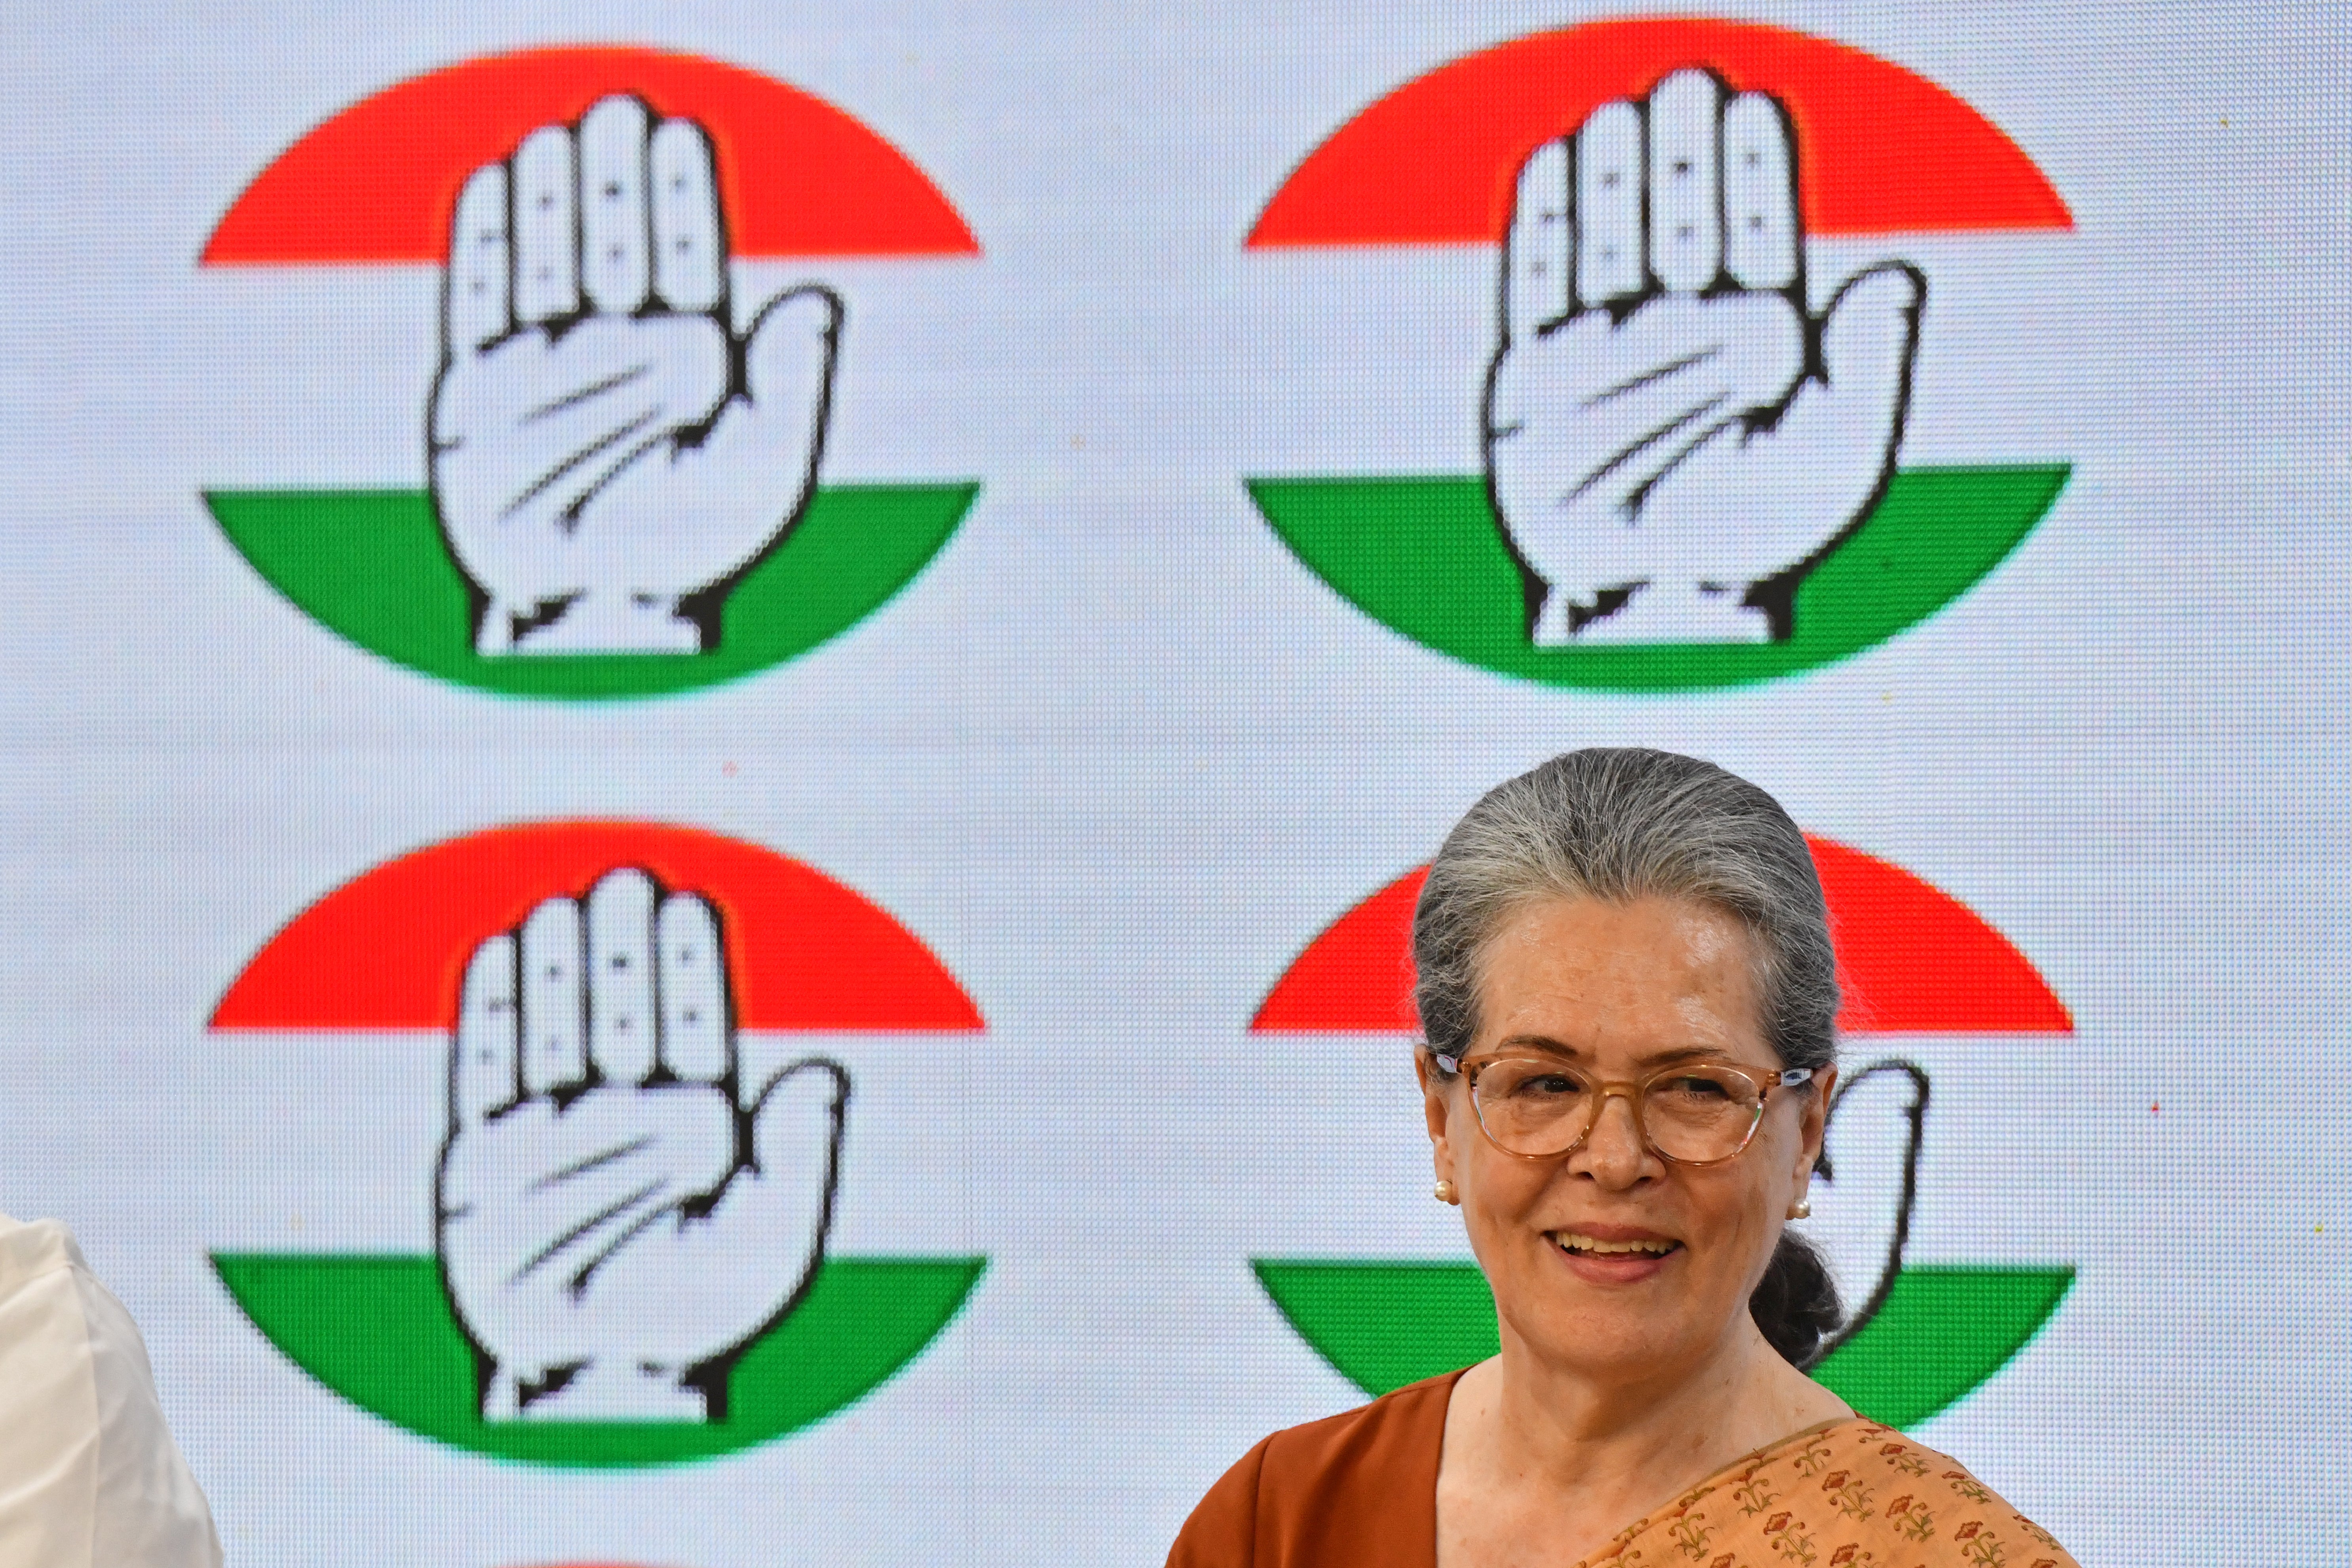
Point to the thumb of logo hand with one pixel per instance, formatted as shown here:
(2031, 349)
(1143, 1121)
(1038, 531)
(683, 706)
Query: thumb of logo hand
(722, 501)
(1750, 509)
(1865, 1187)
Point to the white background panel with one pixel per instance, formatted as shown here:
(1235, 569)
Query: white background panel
(1114, 756)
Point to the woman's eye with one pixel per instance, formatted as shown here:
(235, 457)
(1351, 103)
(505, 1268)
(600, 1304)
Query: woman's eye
(1551, 1084)
(1697, 1088)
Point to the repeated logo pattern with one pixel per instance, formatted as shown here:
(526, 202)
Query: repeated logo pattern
(1693, 474)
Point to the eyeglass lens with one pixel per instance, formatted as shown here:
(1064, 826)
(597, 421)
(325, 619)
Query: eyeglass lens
(1535, 1107)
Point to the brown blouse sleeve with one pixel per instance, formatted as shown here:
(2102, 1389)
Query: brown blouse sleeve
(1357, 1491)
(1222, 1531)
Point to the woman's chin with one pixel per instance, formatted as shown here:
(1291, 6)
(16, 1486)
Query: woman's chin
(1612, 1348)
(1619, 1316)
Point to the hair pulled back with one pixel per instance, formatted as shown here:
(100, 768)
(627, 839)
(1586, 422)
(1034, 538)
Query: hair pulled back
(1620, 823)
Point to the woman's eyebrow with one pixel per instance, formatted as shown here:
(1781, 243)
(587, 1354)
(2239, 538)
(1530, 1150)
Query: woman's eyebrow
(1541, 1043)
(1672, 1056)
(1680, 1054)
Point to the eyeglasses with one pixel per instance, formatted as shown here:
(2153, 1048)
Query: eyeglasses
(1539, 1108)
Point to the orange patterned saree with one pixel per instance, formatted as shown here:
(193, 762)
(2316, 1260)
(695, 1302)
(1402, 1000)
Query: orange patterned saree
(1847, 1494)
(1360, 1490)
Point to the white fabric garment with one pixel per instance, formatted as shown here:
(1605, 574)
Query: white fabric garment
(89, 1476)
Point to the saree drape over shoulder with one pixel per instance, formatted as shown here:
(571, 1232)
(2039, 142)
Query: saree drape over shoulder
(1360, 1490)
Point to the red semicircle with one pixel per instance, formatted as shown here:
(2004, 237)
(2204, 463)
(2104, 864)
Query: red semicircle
(1911, 960)
(388, 949)
(377, 183)
(1880, 149)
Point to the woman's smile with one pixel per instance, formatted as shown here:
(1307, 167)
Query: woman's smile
(1615, 1253)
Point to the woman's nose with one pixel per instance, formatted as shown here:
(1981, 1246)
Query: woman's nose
(1612, 1151)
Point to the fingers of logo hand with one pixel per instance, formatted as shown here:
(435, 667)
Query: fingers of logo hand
(553, 1050)
(614, 228)
(546, 233)
(1686, 186)
(621, 1023)
(696, 1038)
(690, 244)
(1609, 261)
(484, 1075)
(1540, 265)
(1759, 194)
(474, 309)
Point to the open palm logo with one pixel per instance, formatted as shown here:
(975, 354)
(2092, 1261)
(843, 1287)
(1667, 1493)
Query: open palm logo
(622, 490)
(635, 1201)
(1672, 436)
(1919, 1335)
(605, 451)
(1691, 445)
(604, 1149)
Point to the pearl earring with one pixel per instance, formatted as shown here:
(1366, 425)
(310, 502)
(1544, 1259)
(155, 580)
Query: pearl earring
(1802, 1209)
(1445, 1194)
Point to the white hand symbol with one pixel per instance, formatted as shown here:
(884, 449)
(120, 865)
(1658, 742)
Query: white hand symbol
(1866, 1185)
(607, 455)
(617, 1216)
(1673, 438)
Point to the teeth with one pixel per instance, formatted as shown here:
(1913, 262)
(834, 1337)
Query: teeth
(1576, 1243)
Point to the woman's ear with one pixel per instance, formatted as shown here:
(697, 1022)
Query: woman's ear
(1812, 1123)
(1435, 1106)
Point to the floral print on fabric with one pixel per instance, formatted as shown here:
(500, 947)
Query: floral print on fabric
(1850, 1494)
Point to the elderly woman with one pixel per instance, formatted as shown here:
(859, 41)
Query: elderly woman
(1628, 993)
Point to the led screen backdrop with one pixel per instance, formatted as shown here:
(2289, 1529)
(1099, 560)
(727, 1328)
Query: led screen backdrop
(855, 621)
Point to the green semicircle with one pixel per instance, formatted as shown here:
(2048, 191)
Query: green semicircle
(371, 566)
(378, 1330)
(1946, 1329)
(1424, 556)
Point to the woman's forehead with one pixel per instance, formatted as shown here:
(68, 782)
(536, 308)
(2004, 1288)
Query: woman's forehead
(1588, 972)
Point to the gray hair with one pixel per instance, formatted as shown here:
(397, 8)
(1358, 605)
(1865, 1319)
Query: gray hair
(1619, 824)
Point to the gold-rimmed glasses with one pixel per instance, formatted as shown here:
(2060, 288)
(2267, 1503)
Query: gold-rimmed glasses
(1693, 1113)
